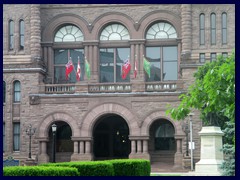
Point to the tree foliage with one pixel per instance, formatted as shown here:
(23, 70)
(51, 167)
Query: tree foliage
(213, 94)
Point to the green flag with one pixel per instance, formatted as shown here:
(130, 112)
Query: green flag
(146, 66)
(87, 69)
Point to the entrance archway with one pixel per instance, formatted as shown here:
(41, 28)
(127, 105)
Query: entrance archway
(110, 138)
(64, 144)
(162, 145)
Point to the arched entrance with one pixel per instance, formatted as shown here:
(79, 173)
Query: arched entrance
(64, 144)
(110, 138)
(162, 145)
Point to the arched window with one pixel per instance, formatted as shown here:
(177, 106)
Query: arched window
(114, 32)
(161, 30)
(163, 58)
(69, 33)
(112, 59)
(11, 35)
(213, 28)
(224, 28)
(17, 91)
(64, 35)
(21, 34)
(4, 91)
(202, 29)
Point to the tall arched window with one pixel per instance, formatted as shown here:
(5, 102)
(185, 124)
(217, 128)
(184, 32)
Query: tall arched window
(4, 91)
(17, 91)
(11, 35)
(64, 35)
(224, 28)
(113, 58)
(21, 34)
(163, 58)
(202, 29)
(213, 28)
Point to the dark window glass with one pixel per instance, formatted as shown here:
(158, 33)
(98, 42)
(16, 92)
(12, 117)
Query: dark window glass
(21, 34)
(17, 91)
(60, 61)
(64, 142)
(16, 136)
(111, 62)
(225, 55)
(213, 29)
(202, 29)
(202, 57)
(11, 35)
(224, 28)
(162, 70)
(213, 57)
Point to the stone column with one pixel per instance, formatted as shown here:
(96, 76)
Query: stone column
(81, 147)
(43, 157)
(75, 151)
(178, 157)
(139, 146)
(211, 156)
(145, 146)
(186, 13)
(133, 144)
(35, 32)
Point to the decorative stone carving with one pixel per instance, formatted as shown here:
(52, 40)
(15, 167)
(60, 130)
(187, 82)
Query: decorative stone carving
(34, 100)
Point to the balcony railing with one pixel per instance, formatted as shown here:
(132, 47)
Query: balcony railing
(112, 88)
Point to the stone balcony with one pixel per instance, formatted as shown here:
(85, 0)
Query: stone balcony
(168, 86)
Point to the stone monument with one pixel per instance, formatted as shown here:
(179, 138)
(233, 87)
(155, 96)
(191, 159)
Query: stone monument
(211, 156)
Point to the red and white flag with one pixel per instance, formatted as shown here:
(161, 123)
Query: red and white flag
(135, 69)
(78, 75)
(126, 69)
(69, 68)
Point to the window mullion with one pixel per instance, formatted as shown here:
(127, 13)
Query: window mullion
(161, 63)
(114, 65)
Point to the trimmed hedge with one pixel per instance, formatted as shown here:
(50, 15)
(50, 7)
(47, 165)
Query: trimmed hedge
(88, 168)
(131, 167)
(39, 171)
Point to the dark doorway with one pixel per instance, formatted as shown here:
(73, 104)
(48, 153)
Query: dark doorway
(111, 138)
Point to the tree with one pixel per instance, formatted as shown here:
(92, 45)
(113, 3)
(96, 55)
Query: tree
(213, 94)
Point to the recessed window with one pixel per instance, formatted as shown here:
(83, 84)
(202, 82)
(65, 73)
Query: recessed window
(16, 136)
(161, 30)
(17, 91)
(224, 28)
(11, 35)
(225, 55)
(111, 62)
(69, 33)
(21, 34)
(213, 57)
(114, 32)
(202, 57)
(202, 29)
(213, 28)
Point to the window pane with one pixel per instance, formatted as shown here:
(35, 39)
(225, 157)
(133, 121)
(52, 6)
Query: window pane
(16, 136)
(68, 33)
(213, 56)
(153, 56)
(202, 58)
(224, 20)
(122, 55)
(17, 91)
(161, 31)
(202, 21)
(115, 32)
(213, 36)
(61, 59)
(107, 65)
(202, 37)
(170, 65)
(213, 21)
(224, 36)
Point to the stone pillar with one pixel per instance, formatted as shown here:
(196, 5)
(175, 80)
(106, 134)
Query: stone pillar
(186, 13)
(145, 146)
(211, 156)
(178, 157)
(81, 147)
(87, 147)
(133, 145)
(43, 157)
(139, 146)
(35, 32)
(75, 151)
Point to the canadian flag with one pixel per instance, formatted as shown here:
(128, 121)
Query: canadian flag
(69, 68)
(78, 75)
(135, 69)
(126, 69)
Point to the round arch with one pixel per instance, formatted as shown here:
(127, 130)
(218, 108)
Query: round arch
(107, 18)
(57, 21)
(57, 116)
(156, 16)
(109, 108)
(149, 120)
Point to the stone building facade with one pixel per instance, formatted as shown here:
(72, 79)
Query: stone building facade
(105, 116)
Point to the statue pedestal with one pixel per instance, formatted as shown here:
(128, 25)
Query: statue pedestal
(211, 155)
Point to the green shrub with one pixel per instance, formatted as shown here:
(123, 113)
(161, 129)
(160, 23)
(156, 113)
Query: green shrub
(39, 171)
(131, 167)
(88, 168)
